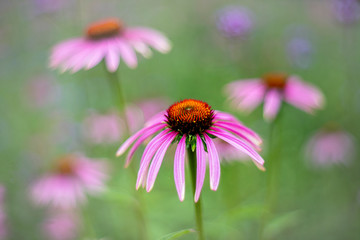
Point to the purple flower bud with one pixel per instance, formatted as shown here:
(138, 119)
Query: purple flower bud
(235, 21)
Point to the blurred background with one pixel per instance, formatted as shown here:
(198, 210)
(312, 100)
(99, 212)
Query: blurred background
(45, 114)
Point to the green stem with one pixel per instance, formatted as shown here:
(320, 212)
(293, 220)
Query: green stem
(115, 85)
(197, 205)
(117, 89)
(273, 169)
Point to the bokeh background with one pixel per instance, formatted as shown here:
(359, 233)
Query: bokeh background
(43, 115)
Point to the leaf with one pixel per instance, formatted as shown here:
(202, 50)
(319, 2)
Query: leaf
(177, 234)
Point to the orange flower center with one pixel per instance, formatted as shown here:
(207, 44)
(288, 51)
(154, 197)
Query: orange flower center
(275, 80)
(190, 116)
(65, 165)
(104, 29)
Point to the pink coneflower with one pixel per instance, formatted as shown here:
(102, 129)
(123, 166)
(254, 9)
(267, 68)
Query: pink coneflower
(329, 146)
(61, 225)
(109, 40)
(192, 124)
(3, 228)
(73, 176)
(272, 89)
(103, 128)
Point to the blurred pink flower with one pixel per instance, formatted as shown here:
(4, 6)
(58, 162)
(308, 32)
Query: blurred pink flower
(41, 91)
(109, 128)
(189, 121)
(103, 128)
(73, 176)
(3, 228)
(330, 146)
(109, 40)
(347, 11)
(61, 225)
(272, 89)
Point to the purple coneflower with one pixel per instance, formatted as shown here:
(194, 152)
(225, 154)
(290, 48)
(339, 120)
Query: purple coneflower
(109, 40)
(347, 11)
(330, 145)
(73, 176)
(272, 89)
(193, 125)
(235, 21)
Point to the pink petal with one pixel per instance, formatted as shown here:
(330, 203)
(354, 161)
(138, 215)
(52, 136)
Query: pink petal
(200, 167)
(214, 163)
(239, 144)
(127, 53)
(112, 56)
(247, 100)
(272, 104)
(149, 152)
(158, 158)
(230, 128)
(64, 50)
(179, 165)
(131, 139)
(303, 95)
(149, 36)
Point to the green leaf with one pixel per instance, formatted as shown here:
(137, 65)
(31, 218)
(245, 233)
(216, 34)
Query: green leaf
(177, 234)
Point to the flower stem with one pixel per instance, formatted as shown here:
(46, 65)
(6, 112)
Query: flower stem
(115, 85)
(197, 205)
(273, 169)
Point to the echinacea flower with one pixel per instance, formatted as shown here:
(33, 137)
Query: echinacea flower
(192, 124)
(103, 128)
(272, 89)
(330, 146)
(109, 40)
(235, 21)
(61, 225)
(73, 176)
(3, 228)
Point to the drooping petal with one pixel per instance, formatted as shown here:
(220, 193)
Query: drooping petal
(112, 57)
(149, 36)
(272, 103)
(214, 163)
(140, 141)
(158, 158)
(244, 130)
(131, 139)
(159, 117)
(141, 48)
(253, 142)
(239, 144)
(200, 167)
(64, 50)
(303, 95)
(127, 53)
(149, 152)
(96, 56)
(179, 165)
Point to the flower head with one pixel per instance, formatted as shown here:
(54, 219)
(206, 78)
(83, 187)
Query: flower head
(235, 21)
(347, 11)
(274, 88)
(109, 40)
(192, 124)
(299, 48)
(73, 176)
(330, 145)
